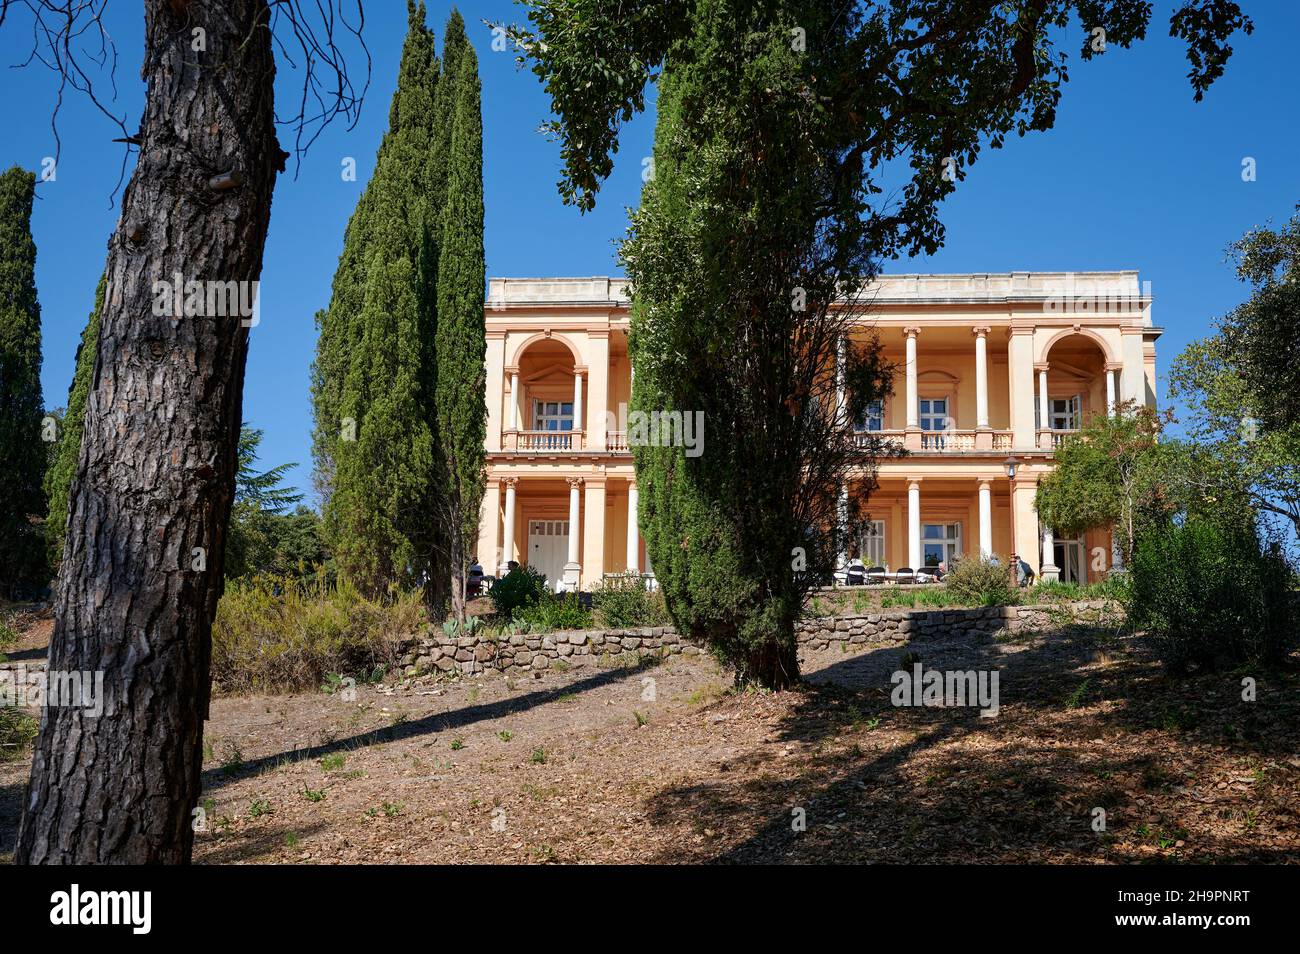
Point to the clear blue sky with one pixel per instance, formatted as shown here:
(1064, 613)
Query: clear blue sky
(1135, 175)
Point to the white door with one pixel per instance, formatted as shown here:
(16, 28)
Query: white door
(548, 549)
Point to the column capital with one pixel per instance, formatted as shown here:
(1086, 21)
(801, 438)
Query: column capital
(985, 483)
(1114, 366)
(512, 369)
(510, 482)
(1040, 366)
(981, 331)
(574, 482)
(911, 331)
(914, 483)
(579, 370)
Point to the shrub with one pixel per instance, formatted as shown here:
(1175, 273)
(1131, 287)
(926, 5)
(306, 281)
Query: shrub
(623, 600)
(521, 587)
(1209, 593)
(981, 582)
(8, 636)
(17, 730)
(553, 612)
(281, 634)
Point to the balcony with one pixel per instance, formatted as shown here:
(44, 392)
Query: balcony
(940, 442)
(545, 442)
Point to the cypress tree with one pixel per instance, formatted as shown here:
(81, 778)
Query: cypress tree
(58, 479)
(373, 380)
(21, 406)
(461, 342)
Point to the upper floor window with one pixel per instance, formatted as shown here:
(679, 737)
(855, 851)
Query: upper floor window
(934, 414)
(553, 415)
(873, 417)
(1065, 413)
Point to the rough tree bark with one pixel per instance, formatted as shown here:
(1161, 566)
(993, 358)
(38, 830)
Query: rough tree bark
(155, 477)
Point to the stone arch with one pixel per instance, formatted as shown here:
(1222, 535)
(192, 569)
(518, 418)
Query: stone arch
(531, 340)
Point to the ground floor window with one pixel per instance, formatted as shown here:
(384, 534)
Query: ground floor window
(871, 542)
(940, 543)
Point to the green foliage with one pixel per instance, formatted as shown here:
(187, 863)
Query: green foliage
(373, 378)
(621, 601)
(17, 731)
(22, 550)
(8, 636)
(263, 539)
(1113, 587)
(521, 587)
(552, 612)
(1235, 460)
(1262, 335)
(779, 123)
(284, 634)
(1113, 473)
(461, 342)
(981, 582)
(58, 478)
(1211, 594)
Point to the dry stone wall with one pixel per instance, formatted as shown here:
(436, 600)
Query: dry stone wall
(569, 648)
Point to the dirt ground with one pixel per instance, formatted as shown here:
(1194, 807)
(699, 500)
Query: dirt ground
(661, 763)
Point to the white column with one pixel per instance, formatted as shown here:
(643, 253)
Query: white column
(1110, 392)
(633, 538)
(514, 400)
(986, 519)
(981, 378)
(841, 354)
(913, 401)
(508, 534)
(1048, 570)
(1044, 417)
(914, 524)
(573, 569)
(843, 559)
(578, 420)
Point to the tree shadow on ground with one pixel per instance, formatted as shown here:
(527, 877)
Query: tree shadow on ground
(430, 724)
(1088, 722)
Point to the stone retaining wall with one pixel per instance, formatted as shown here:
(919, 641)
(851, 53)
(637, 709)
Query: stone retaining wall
(892, 625)
(569, 648)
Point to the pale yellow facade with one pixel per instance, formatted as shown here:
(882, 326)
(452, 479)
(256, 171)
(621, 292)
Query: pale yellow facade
(990, 367)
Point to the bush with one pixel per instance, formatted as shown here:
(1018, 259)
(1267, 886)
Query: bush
(8, 636)
(981, 582)
(520, 588)
(1210, 594)
(282, 634)
(623, 600)
(553, 612)
(17, 730)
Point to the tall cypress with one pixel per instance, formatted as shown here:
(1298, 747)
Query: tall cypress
(461, 342)
(21, 407)
(58, 479)
(373, 380)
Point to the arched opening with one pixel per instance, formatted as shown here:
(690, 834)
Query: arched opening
(550, 409)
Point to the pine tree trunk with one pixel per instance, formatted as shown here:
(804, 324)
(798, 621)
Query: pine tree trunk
(150, 502)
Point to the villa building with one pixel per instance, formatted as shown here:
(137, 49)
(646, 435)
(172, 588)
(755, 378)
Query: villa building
(993, 368)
